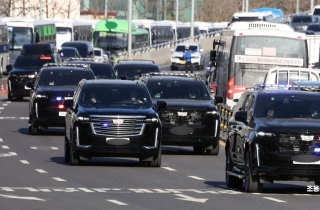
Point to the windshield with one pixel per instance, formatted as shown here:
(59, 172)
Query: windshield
(177, 89)
(134, 72)
(112, 95)
(82, 48)
(288, 106)
(110, 41)
(97, 52)
(68, 52)
(64, 34)
(19, 36)
(314, 27)
(255, 55)
(31, 62)
(301, 19)
(103, 71)
(63, 77)
(182, 48)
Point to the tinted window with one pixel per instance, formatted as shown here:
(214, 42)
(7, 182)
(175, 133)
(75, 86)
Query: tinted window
(134, 72)
(288, 106)
(27, 62)
(103, 71)
(314, 27)
(113, 95)
(178, 89)
(316, 12)
(64, 77)
(97, 52)
(301, 19)
(82, 48)
(68, 52)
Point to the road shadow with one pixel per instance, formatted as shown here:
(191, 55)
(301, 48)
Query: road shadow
(44, 132)
(15, 101)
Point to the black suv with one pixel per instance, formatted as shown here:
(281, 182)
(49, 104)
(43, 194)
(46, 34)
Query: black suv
(113, 118)
(133, 69)
(191, 118)
(54, 85)
(273, 135)
(27, 65)
(101, 68)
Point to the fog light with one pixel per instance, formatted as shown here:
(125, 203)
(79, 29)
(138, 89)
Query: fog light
(317, 150)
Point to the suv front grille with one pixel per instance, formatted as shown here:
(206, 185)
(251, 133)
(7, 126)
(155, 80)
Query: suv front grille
(293, 143)
(117, 126)
(182, 118)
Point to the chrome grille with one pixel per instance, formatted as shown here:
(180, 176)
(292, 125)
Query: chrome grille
(111, 126)
(177, 118)
(292, 143)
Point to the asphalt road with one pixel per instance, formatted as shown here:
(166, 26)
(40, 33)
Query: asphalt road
(34, 175)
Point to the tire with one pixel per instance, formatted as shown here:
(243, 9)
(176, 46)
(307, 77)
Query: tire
(34, 129)
(9, 97)
(251, 183)
(172, 68)
(198, 150)
(74, 157)
(213, 151)
(157, 160)
(66, 150)
(231, 181)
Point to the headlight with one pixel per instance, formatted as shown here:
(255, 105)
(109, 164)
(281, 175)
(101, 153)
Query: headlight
(41, 96)
(152, 120)
(83, 118)
(212, 112)
(265, 134)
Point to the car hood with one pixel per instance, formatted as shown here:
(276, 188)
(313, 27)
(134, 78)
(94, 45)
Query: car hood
(57, 90)
(188, 105)
(288, 125)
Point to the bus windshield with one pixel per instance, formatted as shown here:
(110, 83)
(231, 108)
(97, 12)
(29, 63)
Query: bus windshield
(19, 36)
(110, 41)
(64, 34)
(255, 55)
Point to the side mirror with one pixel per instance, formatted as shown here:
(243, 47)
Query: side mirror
(241, 116)
(171, 50)
(30, 84)
(9, 67)
(161, 105)
(68, 103)
(218, 99)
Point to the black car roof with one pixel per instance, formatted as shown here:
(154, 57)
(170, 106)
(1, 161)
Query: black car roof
(89, 62)
(172, 78)
(283, 92)
(113, 82)
(77, 43)
(74, 68)
(135, 63)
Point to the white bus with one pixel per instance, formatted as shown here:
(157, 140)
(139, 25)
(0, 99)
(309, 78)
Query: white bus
(25, 30)
(72, 30)
(159, 32)
(204, 27)
(247, 50)
(4, 47)
(182, 30)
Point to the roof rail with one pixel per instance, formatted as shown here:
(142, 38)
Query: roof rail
(135, 60)
(67, 65)
(269, 87)
(87, 59)
(170, 74)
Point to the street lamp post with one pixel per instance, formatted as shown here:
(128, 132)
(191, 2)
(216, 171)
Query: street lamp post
(298, 4)
(40, 9)
(311, 5)
(192, 21)
(247, 5)
(130, 29)
(106, 9)
(177, 12)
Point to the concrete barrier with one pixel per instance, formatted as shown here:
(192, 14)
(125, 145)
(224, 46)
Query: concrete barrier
(162, 56)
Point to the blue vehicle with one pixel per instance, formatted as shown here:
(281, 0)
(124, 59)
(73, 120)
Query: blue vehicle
(278, 16)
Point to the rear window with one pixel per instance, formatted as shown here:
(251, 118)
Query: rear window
(64, 77)
(97, 52)
(82, 48)
(31, 62)
(301, 19)
(134, 72)
(68, 52)
(103, 71)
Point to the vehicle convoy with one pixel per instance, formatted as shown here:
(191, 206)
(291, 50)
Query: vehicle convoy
(191, 117)
(133, 69)
(26, 30)
(197, 56)
(113, 118)
(26, 67)
(273, 135)
(101, 68)
(54, 85)
(247, 50)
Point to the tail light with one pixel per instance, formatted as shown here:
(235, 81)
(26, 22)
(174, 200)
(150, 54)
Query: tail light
(61, 106)
(212, 88)
(230, 88)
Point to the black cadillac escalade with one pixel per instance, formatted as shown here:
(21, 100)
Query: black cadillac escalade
(191, 117)
(273, 135)
(113, 118)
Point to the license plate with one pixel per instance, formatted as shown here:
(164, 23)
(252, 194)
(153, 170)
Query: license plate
(27, 88)
(182, 62)
(62, 114)
(307, 163)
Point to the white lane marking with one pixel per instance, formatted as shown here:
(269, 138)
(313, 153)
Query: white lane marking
(85, 190)
(23, 198)
(5, 147)
(24, 162)
(13, 153)
(117, 202)
(169, 169)
(4, 104)
(1, 107)
(41, 171)
(45, 148)
(58, 179)
(1, 118)
(54, 148)
(1, 140)
(33, 147)
(8, 102)
(195, 177)
(276, 200)
(189, 198)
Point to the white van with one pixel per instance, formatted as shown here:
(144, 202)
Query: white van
(288, 75)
